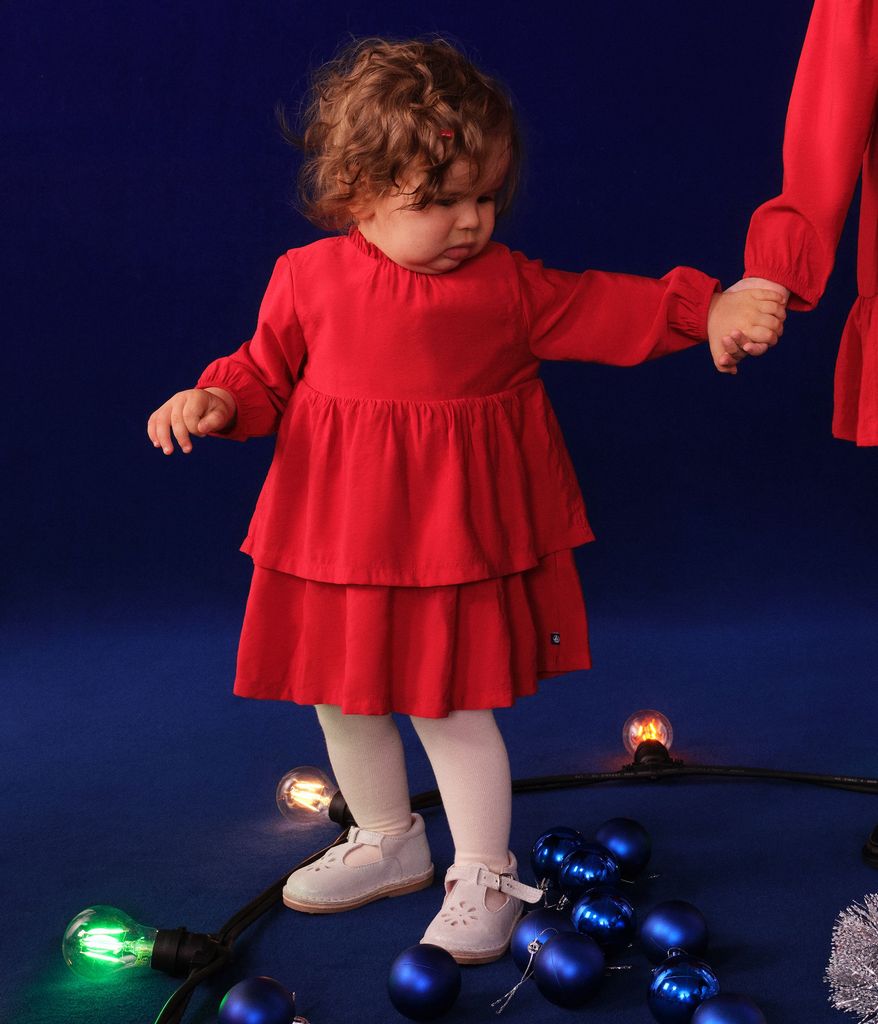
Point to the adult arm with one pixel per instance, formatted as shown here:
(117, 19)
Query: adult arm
(793, 237)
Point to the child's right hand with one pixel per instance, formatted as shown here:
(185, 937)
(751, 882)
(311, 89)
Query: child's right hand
(198, 411)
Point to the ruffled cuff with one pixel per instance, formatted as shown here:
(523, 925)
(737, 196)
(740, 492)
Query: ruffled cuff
(689, 302)
(783, 246)
(802, 296)
(255, 416)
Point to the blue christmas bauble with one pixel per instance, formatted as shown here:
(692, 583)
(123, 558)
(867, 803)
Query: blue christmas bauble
(568, 969)
(675, 924)
(257, 1001)
(607, 917)
(550, 850)
(586, 867)
(541, 925)
(424, 982)
(728, 1008)
(679, 987)
(628, 842)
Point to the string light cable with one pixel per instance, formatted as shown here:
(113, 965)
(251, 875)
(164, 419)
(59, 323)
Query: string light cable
(647, 735)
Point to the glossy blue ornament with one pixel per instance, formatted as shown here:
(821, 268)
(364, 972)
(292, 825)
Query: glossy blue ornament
(568, 970)
(257, 1001)
(550, 850)
(679, 987)
(675, 924)
(424, 982)
(728, 1008)
(628, 842)
(586, 867)
(541, 925)
(607, 917)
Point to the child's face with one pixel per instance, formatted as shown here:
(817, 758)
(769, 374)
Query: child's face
(456, 226)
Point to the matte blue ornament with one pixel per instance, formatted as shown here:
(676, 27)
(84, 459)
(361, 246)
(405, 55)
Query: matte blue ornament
(675, 924)
(583, 869)
(541, 925)
(628, 842)
(550, 850)
(424, 982)
(728, 1008)
(257, 1001)
(568, 970)
(679, 987)
(607, 917)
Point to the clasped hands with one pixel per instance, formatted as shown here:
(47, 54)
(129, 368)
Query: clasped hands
(745, 320)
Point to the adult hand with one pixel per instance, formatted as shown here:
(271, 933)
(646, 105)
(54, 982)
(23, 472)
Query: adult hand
(754, 348)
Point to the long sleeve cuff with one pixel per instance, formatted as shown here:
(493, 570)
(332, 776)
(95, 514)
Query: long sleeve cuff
(689, 302)
(255, 415)
(803, 296)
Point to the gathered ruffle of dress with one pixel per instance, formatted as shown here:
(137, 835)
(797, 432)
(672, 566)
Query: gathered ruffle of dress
(855, 416)
(425, 651)
(417, 493)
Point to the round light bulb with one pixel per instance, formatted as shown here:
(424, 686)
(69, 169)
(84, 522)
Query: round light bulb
(101, 941)
(304, 793)
(647, 725)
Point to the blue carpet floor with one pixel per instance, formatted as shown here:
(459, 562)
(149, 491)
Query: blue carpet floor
(135, 779)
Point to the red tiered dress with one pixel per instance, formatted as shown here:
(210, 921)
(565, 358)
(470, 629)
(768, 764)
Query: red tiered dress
(412, 541)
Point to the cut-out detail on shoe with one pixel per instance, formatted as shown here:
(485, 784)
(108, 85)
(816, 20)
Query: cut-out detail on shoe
(402, 865)
(458, 913)
(467, 926)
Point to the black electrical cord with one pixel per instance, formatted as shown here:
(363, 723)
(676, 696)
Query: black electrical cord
(651, 763)
(175, 1008)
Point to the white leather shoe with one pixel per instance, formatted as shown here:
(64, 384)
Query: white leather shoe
(329, 886)
(465, 926)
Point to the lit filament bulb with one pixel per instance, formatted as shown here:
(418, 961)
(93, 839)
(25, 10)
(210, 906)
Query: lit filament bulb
(647, 725)
(104, 940)
(305, 792)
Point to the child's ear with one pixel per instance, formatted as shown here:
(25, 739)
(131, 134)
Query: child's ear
(362, 209)
(359, 205)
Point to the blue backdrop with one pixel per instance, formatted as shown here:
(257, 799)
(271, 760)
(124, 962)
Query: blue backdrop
(146, 195)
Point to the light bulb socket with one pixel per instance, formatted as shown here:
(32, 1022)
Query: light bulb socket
(651, 752)
(338, 810)
(870, 850)
(177, 951)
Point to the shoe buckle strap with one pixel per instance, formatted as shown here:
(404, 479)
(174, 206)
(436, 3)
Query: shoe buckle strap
(508, 884)
(363, 836)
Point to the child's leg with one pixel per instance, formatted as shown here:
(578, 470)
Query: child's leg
(469, 760)
(367, 758)
(387, 854)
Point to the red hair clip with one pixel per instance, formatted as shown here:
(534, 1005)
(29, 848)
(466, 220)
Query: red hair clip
(446, 133)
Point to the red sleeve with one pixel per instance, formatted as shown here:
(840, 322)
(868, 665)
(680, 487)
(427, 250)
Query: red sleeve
(620, 319)
(793, 237)
(263, 371)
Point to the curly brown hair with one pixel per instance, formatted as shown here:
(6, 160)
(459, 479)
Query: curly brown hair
(380, 108)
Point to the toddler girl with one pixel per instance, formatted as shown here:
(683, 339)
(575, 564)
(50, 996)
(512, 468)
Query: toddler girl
(412, 542)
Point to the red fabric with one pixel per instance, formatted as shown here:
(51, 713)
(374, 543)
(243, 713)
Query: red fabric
(417, 446)
(415, 650)
(829, 139)
(412, 539)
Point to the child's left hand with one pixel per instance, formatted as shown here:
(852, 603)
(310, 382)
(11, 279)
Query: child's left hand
(752, 317)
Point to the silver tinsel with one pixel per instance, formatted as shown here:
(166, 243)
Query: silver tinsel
(852, 971)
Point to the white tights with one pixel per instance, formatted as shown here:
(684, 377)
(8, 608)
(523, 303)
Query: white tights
(469, 760)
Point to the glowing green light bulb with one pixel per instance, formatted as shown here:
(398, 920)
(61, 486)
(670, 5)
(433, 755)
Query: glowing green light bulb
(101, 941)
